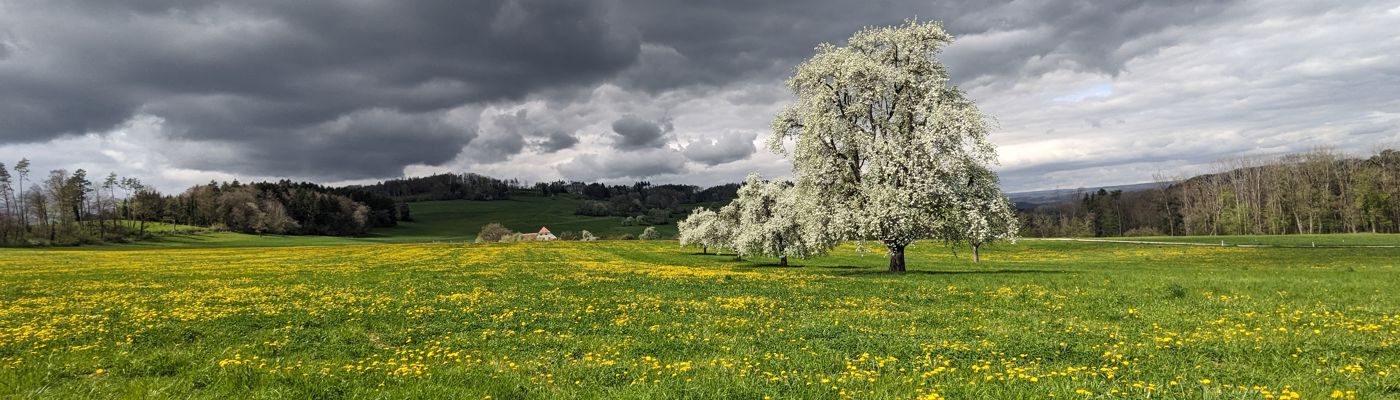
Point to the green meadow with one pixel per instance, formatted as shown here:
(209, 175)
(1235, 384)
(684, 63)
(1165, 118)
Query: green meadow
(649, 319)
(434, 221)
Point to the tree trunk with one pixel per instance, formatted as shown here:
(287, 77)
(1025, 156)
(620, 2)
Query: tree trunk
(704, 250)
(976, 253)
(782, 261)
(896, 257)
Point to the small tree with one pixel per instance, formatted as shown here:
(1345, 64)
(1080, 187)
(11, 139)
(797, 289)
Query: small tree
(726, 227)
(492, 232)
(771, 221)
(650, 233)
(700, 228)
(587, 236)
(982, 214)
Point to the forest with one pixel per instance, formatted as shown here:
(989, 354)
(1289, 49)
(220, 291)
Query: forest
(1320, 191)
(69, 208)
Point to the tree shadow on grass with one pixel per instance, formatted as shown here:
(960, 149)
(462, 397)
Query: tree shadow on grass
(767, 266)
(873, 272)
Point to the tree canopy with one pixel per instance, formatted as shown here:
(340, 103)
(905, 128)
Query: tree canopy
(879, 130)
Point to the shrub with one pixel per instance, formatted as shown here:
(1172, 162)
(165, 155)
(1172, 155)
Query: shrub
(567, 235)
(626, 236)
(587, 236)
(657, 216)
(592, 208)
(1143, 231)
(511, 238)
(492, 232)
(1176, 291)
(650, 234)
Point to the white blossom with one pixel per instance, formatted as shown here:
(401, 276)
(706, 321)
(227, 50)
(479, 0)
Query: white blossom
(881, 138)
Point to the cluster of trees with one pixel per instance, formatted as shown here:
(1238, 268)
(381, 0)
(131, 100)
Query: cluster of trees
(640, 203)
(1319, 191)
(884, 150)
(467, 186)
(282, 207)
(68, 208)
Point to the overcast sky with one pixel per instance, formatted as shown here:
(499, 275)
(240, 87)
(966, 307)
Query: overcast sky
(180, 92)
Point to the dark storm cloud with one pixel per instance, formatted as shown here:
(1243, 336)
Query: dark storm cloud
(636, 165)
(715, 42)
(725, 148)
(253, 73)
(326, 89)
(555, 141)
(370, 143)
(633, 133)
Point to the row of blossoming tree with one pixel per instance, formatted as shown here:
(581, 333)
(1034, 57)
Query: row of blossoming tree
(884, 150)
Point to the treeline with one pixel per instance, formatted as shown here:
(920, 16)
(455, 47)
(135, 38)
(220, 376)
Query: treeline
(1320, 191)
(67, 208)
(282, 207)
(443, 187)
(641, 203)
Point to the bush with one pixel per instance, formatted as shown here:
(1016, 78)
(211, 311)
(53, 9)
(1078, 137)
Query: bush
(492, 232)
(656, 216)
(1143, 231)
(1176, 291)
(567, 235)
(592, 208)
(626, 236)
(650, 234)
(587, 236)
(511, 238)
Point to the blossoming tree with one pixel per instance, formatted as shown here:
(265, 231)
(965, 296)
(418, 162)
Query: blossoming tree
(878, 130)
(701, 228)
(981, 214)
(774, 222)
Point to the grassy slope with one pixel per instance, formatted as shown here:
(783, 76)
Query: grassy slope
(460, 220)
(651, 320)
(435, 221)
(1338, 239)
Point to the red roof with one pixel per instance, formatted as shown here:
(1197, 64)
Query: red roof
(544, 230)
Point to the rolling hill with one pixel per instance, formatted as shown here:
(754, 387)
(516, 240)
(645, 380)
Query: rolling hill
(434, 221)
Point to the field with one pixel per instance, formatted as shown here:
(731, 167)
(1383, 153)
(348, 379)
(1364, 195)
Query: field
(434, 221)
(1344, 239)
(630, 319)
(457, 220)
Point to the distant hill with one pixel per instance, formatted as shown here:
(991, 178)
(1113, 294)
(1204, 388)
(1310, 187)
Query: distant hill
(1032, 199)
(454, 220)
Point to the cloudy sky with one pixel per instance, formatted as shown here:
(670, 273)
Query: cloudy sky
(1085, 93)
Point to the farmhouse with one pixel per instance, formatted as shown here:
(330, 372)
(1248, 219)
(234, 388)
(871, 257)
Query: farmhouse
(544, 234)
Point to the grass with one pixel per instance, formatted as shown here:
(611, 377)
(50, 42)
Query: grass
(632, 319)
(460, 220)
(1336, 239)
(434, 221)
